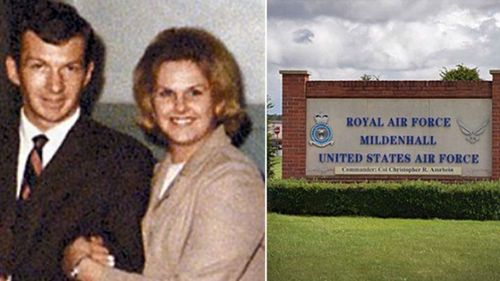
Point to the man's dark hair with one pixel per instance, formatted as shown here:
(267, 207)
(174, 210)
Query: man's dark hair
(55, 23)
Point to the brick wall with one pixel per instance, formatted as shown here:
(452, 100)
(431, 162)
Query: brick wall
(398, 89)
(294, 123)
(297, 88)
(495, 124)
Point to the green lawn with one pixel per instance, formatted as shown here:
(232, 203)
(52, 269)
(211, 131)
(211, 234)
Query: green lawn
(359, 248)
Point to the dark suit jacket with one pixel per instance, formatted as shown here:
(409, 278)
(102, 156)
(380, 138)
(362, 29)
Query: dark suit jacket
(97, 183)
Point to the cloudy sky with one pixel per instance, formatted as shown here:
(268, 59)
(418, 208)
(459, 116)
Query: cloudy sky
(391, 39)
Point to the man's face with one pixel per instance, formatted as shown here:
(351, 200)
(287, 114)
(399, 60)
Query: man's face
(51, 78)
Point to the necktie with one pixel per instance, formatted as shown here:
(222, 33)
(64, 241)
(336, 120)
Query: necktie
(33, 166)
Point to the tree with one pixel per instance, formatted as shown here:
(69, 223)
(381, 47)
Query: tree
(369, 77)
(271, 149)
(271, 153)
(461, 72)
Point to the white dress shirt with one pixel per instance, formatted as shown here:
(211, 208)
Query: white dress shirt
(172, 172)
(28, 130)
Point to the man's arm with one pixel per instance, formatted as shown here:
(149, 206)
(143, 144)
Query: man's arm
(131, 185)
(6, 246)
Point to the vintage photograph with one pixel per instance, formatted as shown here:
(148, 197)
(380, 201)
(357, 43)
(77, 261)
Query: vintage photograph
(133, 139)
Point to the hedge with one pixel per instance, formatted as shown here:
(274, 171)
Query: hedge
(407, 199)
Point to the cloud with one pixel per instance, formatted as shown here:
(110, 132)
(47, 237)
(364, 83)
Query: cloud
(303, 36)
(395, 40)
(371, 10)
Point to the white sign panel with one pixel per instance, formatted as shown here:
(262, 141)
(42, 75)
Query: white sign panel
(398, 137)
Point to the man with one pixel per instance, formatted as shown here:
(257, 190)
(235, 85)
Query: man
(62, 175)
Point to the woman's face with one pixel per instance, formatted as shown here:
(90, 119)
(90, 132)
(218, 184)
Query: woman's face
(182, 103)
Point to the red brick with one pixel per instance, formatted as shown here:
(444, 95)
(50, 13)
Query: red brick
(296, 88)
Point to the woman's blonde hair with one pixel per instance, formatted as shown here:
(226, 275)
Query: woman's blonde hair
(212, 57)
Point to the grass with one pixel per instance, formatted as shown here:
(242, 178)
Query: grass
(359, 248)
(277, 167)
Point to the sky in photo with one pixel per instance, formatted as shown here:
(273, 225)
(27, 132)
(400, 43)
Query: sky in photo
(390, 39)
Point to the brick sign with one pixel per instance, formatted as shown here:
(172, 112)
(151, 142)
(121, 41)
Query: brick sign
(370, 130)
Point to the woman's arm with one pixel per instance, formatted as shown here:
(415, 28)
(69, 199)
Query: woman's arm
(228, 224)
(85, 248)
(226, 232)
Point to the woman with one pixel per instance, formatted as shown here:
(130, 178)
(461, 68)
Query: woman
(205, 219)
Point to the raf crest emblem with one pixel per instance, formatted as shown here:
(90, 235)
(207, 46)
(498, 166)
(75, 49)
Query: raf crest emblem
(321, 134)
(472, 135)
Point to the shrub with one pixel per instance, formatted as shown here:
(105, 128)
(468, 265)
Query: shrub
(407, 199)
